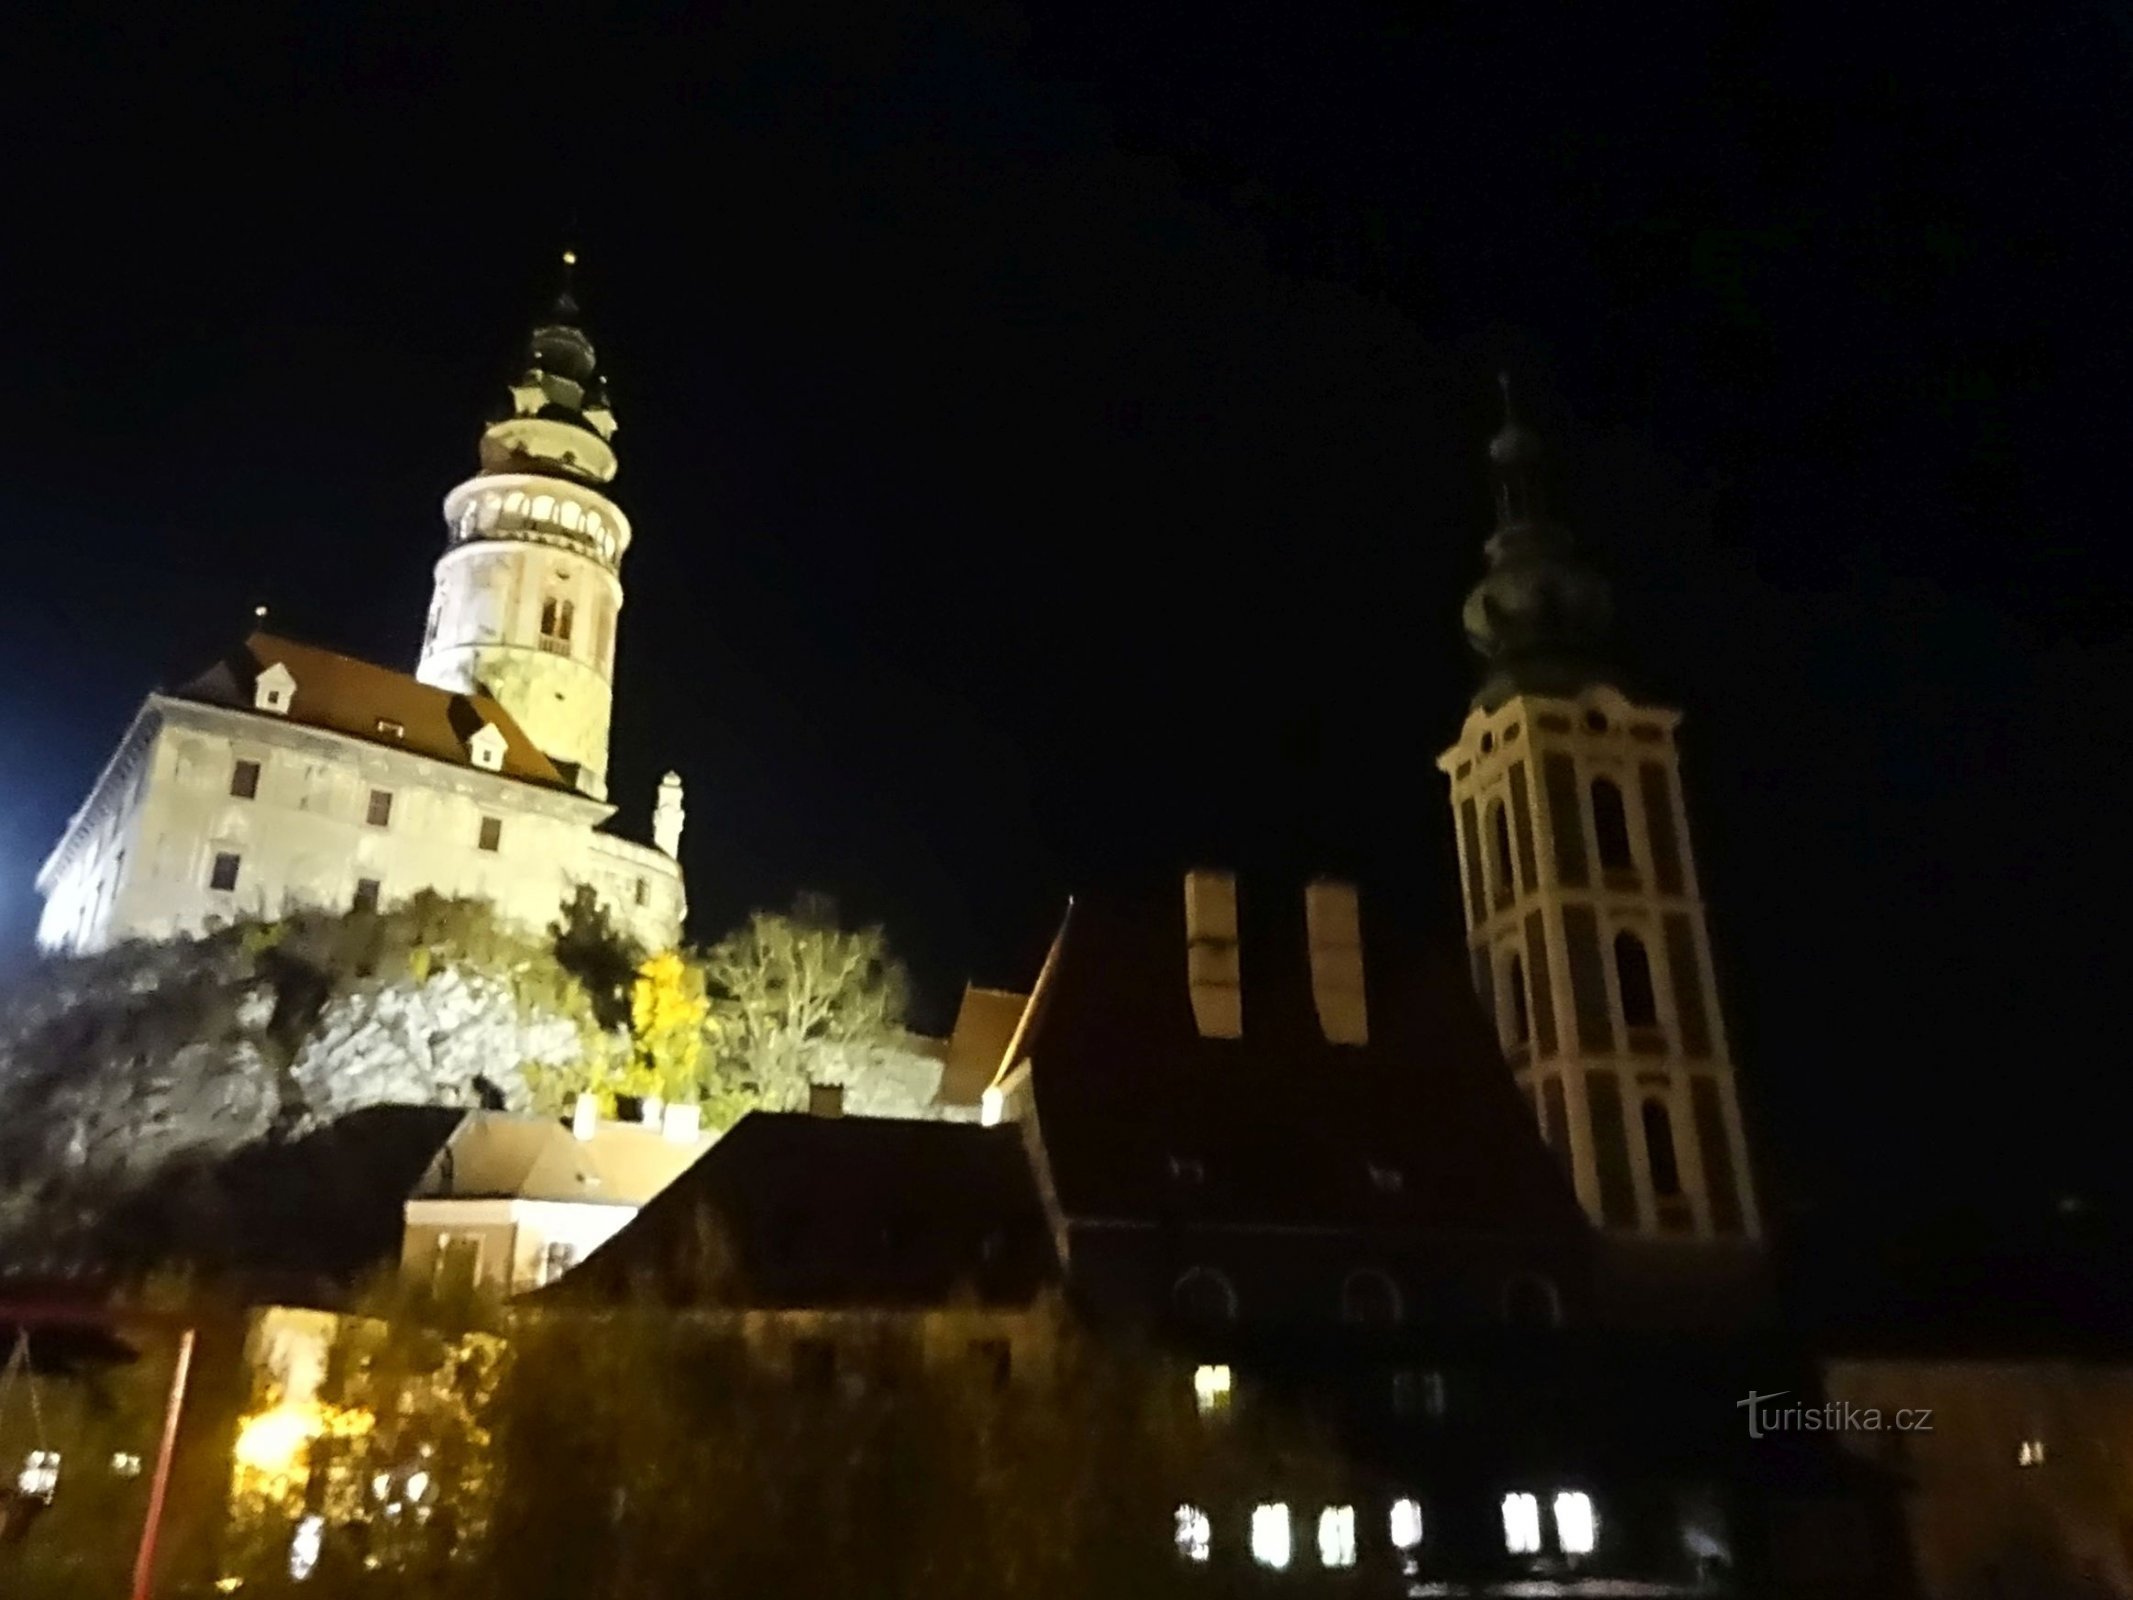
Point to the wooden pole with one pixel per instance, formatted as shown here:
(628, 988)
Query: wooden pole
(144, 1564)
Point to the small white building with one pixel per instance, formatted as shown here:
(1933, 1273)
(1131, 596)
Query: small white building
(511, 1203)
(288, 777)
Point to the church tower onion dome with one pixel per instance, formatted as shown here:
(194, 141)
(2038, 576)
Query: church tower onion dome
(1539, 618)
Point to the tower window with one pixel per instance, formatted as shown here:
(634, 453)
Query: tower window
(1336, 1536)
(1405, 1524)
(1500, 853)
(380, 812)
(1270, 1535)
(1521, 1017)
(223, 874)
(557, 616)
(1610, 827)
(366, 895)
(1576, 1531)
(1522, 1524)
(1659, 1149)
(244, 780)
(492, 833)
(1204, 1295)
(1211, 1389)
(1633, 972)
(1195, 1533)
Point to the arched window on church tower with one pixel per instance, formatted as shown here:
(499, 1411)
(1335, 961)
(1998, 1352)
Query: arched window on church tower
(1610, 827)
(1500, 853)
(1633, 974)
(556, 618)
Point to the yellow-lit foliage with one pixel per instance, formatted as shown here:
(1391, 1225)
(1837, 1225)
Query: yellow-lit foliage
(272, 1456)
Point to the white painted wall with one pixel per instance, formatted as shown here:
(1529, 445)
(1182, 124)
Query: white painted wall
(138, 861)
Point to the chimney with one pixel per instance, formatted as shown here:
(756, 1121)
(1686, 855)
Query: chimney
(1334, 920)
(825, 1099)
(1211, 968)
(682, 1124)
(585, 1116)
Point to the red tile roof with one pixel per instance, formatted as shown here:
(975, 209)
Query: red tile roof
(373, 703)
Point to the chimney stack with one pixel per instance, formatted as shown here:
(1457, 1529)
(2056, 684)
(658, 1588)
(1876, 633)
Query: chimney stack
(1211, 966)
(825, 1099)
(1334, 919)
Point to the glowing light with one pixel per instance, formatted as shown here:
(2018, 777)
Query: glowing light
(1195, 1535)
(381, 1485)
(418, 1484)
(1211, 1388)
(1336, 1536)
(1270, 1535)
(1575, 1528)
(2030, 1453)
(126, 1464)
(1406, 1523)
(273, 1449)
(39, 1478)
(1521, 1524)
(304, 1546)
(992, 1105)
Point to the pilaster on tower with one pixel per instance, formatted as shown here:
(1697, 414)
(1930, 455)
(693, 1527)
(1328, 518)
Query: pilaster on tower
(528, 593)
(1584, 919)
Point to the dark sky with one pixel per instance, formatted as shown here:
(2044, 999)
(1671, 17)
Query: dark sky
(1054, 438)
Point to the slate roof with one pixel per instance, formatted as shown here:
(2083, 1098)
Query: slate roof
(366, 701)
(1143, 1119)
(789, 1210)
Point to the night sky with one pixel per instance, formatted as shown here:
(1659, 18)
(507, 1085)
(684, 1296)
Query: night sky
(1054, 436)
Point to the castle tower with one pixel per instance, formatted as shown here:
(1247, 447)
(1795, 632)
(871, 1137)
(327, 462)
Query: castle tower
(1584, 920)
(529, 588)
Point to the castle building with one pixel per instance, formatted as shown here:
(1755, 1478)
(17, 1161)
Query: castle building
(288, 777)
(1584, 920)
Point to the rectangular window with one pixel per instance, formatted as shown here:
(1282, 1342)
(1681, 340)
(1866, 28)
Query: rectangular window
(1211, 1389)
(1610, 1148)
(1477, 905)
(366, 895)
(244, 780)
(642, 891)
(380, 814)
(223, 875)
(556, 1259)
(492, 833)
(1686, 974)
(1543, 985)
(1521, 1524)
(1588, 980)
(1522, 825)
(455, 1267)
(1658, 796)
(1566, 818)
(1336, 1536)
(1712, 1145)
(1576, 1529)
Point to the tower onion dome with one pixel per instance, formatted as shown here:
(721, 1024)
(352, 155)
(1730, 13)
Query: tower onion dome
(1539, 617)
(560, 418)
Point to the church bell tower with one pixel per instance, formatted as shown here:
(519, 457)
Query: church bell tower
(1584, 920)
(529, 589)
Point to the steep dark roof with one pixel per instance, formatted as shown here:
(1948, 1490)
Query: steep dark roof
(789, 1210)
(1420, 1130)
(366, 701)
(984, 1024)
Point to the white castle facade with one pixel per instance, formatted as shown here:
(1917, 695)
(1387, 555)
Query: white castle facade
(288, 777)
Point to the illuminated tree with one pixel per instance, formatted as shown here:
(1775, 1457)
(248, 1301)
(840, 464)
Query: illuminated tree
(797, 999)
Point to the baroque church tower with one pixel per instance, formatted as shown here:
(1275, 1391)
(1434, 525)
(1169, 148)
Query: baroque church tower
(1584, 919)
(529, 589)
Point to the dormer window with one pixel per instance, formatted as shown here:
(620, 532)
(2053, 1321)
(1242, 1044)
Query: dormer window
(273, 690)
(392, 729)
(485, 748)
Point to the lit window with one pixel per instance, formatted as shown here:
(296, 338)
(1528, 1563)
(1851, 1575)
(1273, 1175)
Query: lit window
(380, 812)
(244, 780)
(1521, 1524)
(223, 875)
(1406, 1524)
(1336, 1536)
(492, 833)
(366, 895)
(1195, 1533)
(992, 1106)
(2030, 1453)
(1575, 1531)
(303, 1547)
(1211, 1388)
(125, 1464)
(556, 1259)
(1270, 1535)
(39, 1478)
